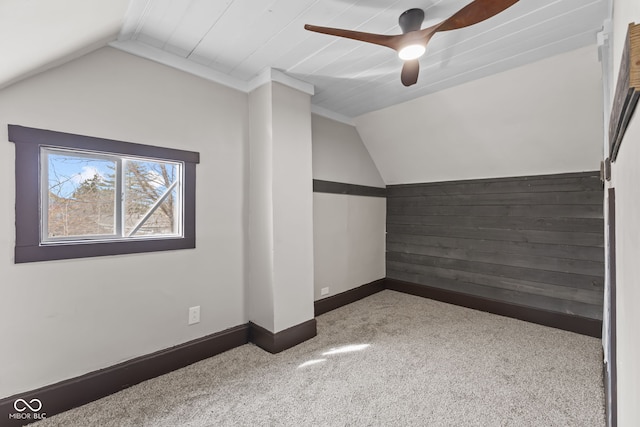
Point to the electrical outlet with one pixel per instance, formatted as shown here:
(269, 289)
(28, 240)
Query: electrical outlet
(194, 315)
(324, 291)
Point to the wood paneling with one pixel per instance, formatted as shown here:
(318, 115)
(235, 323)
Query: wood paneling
(532, 241)
(350, 78)
(627, 90)
(554, 319)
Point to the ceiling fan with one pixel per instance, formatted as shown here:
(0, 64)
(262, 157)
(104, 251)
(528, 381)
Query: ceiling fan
(411, 44)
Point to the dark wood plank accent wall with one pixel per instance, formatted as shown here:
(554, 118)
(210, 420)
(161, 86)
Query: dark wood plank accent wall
(536, 241)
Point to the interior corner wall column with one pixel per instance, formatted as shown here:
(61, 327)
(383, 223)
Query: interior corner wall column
(280, 291)
(605, 55)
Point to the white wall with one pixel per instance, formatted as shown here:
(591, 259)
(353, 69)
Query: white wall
(625, 178)
(292, 207)
(348, 230)
(61, 319)
(349, 241)
(339, 154)
(260, 227)
(541, 118)
(280, 208)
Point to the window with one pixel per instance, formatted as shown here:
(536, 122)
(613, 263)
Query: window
(93, 196)
(79, 196)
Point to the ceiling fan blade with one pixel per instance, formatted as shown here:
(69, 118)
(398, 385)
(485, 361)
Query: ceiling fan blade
(474, 12)
(392, 42)
(410, 71)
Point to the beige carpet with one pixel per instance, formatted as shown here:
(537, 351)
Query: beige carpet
(388, 360)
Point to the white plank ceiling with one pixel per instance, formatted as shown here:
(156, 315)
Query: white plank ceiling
(233, 41)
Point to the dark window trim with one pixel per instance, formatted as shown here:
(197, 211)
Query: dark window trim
(28, 142)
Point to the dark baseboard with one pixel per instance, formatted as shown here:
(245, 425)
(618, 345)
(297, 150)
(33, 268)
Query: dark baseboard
(610, 396)
(68, 394)
(607, 392)
(567, 322)
(336, 301)
(283, 340)
(611, 385)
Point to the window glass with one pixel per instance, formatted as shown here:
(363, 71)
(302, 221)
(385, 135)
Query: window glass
(151, 194)
(80, 196)
(82, 203)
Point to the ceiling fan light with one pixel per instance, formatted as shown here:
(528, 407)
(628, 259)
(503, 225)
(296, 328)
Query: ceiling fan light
(413, 51)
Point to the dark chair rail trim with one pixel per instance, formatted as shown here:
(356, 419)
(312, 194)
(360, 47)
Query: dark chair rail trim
(320, 186)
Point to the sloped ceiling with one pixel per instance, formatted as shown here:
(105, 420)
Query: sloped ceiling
(541, 118)
(479, 119)
(39, 34)
(233, 41)
(238, 39)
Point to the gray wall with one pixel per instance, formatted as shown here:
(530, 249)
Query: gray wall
(534, 241)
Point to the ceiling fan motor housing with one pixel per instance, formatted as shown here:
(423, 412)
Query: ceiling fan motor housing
(411, 20)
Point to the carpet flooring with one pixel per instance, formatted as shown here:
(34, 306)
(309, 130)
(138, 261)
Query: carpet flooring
(390, 359)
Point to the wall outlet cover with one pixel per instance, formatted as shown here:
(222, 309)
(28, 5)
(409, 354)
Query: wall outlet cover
(324, 291)
(194, 315)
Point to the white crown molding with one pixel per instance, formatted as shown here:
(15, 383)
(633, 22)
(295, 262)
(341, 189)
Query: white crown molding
(180, 63)
(267, 75)
(321, 111)
(272, 75)
(169, 59)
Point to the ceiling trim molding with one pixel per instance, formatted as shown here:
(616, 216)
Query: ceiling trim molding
(171, 60)
(136, 15)
(177, 62)
(332, 115)
(272, 75)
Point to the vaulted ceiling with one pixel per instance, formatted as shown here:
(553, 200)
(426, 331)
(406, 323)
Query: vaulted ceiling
(39, 34)
(233, 41)
(490, 117)
(237, 39)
